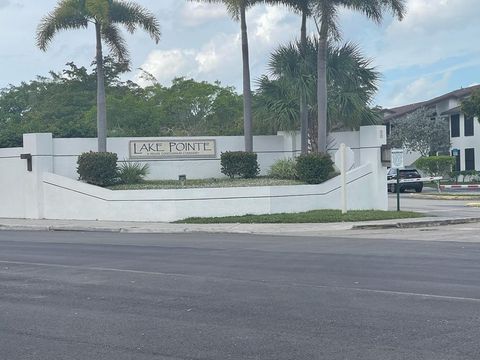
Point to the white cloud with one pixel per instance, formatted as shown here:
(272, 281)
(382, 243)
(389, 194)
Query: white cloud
(165, 65)
(194, 14)
(219, 57)
(424, 88)
(220, 52)
(431, 31)
(270, 25)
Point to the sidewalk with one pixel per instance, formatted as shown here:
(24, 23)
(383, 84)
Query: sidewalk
(264, 229)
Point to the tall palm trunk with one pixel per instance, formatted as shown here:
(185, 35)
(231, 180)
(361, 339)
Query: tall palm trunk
(303, 94)
(322, 87)
(247, 92)
(101, 103)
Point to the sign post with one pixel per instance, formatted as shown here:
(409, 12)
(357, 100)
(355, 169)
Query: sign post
(343, 171)
(344, 160)
(397, 163)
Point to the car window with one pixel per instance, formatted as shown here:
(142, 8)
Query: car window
(410, 173)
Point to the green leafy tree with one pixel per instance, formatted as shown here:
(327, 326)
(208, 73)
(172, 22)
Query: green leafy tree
(421, 131)
(106, 16)
(190, 108)
(436, 166)
(471, 105)
(65, 105)
(326, 14)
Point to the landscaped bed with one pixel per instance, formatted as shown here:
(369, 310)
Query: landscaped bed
(316, 216)
(205, 183)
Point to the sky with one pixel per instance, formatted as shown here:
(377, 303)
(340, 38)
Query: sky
(434, 50)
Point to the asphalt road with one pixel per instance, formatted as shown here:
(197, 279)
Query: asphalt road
(432, 207)
(110, 296)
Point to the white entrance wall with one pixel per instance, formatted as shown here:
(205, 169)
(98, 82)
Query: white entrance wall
(50, 190)
(65, 153)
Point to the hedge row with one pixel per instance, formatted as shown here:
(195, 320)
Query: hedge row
(101, 168)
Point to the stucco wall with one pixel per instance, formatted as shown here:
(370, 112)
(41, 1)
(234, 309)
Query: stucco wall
(13, 180)
(45, 192)
(70, 199)
(268, 148)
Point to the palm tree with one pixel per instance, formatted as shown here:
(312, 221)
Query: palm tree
(352, 84)
(105, 15)
(237, 9)
(326, 13)
(304, 8)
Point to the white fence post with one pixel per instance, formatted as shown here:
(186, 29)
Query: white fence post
(40, 146)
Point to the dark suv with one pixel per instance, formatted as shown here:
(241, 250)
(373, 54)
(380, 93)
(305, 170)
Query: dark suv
(405, 174)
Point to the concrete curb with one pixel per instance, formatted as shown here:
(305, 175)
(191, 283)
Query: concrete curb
(257, 229)
(417, 224)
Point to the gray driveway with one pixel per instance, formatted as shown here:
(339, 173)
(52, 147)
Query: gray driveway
(442, 208)
(118, 296)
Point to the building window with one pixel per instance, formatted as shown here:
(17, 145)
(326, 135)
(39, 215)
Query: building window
(468, 122)
(455, 125)
(469, 159)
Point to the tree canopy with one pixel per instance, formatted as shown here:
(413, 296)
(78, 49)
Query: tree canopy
(352, 84)
(106, 16)
(471, 105)
(421, 131)
(64, 103)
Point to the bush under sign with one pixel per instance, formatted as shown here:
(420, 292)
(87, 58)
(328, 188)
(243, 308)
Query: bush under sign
(165, 149)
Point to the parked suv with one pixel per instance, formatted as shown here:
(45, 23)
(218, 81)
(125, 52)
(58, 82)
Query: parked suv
(405, 174)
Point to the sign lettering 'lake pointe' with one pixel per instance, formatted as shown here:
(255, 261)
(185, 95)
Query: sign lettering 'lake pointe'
(165, 149)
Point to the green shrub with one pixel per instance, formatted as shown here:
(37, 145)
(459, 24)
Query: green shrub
(314, 168)
(239, 163)
(132, 173)
(285, 169)
(98, 168)
(436, 165)
(454, 175)
(471, 174)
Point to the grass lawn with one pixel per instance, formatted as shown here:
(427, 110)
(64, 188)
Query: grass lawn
(205, 183)
(316, 216)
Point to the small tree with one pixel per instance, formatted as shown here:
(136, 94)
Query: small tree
(471, 106)
(421, 131)
(436, 166)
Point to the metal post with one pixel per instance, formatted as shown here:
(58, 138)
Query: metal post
(398, 189)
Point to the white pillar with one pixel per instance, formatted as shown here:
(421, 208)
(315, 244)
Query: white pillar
(40, 146)
(291, 143)
(371, 140)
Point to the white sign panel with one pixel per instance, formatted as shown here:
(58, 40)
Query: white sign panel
(165, 149)
(349, 159)
(397, 158)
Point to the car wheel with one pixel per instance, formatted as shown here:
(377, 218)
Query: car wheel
(402, 190)
(419, 189)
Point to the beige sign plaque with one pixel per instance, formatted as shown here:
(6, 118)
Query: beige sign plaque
(164, 149)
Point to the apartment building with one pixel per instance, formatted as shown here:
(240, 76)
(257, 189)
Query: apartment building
(464, 130)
